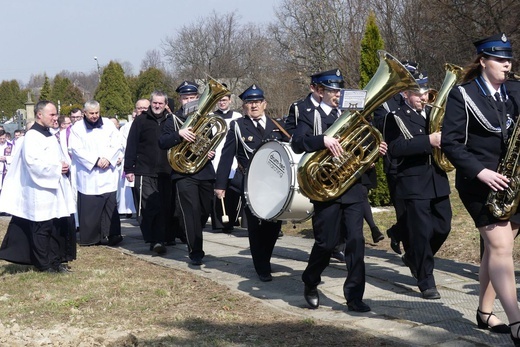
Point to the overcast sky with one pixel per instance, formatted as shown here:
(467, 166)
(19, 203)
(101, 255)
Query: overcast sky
(38, 36)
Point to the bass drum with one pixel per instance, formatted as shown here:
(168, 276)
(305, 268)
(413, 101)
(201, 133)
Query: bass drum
(271, 188)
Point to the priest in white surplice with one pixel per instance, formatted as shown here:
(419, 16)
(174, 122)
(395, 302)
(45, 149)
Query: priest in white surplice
(37, 192)
(96, 149)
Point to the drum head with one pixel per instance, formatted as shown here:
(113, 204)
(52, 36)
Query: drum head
(269, 180)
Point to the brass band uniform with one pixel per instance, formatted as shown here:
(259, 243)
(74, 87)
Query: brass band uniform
(422, 185)
(338, 219)
(194, 192)
(244, 137)
(480, 116)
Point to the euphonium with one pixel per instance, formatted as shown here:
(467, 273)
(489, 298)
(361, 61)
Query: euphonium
(190, 157)
(453, 75)
(321, 176)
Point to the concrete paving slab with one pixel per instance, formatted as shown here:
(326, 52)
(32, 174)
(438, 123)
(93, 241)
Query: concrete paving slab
(398, 311)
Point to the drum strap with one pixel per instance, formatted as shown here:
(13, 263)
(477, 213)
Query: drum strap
(281, 128)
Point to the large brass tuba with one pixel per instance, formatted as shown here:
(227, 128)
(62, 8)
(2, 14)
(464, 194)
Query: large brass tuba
(190, 157)
(321, 176)
(453, 75)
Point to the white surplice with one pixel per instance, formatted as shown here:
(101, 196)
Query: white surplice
(86, 146)
(34, 187)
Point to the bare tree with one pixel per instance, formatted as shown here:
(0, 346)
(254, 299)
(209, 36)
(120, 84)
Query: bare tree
(152, 59)
(212, 45)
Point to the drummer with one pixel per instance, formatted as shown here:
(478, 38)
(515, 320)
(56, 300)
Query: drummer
(244, 137)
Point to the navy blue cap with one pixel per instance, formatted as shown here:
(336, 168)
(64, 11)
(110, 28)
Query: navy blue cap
(187, 87)
(252, 93)
(496, 46)
(330, 79)
(422, 80)
(411, 66)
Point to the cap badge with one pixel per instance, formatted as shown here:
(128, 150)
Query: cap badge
(338, 73)
(185, 83)
(421, 76)
(254, 86)
(504, 38)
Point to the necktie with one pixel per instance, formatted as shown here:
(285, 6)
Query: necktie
(334, 113)
(498, 97)
(259, 126)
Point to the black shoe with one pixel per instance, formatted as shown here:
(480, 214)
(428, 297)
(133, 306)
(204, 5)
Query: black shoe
(114, 240)
(196, 261)
(171, 243)
(516, 340)
(499, 328)
(394, 243)
(63, 269)
(49, 271)
(340, 256)
(311, 296)
(265, 277)
(228, 230)
(159, 248)
(431, 294)
(376, 235)
(407, 262)
(358, 306)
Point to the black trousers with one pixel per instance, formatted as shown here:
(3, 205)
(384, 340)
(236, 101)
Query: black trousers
(429, 223)
(67, 239)
(333, 221)
(98, 218)
(262, 238)
(195, 198)
(231, 203)
(154, 194)
(399, 229)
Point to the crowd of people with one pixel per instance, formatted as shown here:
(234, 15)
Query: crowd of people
(78, 173)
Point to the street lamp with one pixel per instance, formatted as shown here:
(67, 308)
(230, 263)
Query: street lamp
(98, 70)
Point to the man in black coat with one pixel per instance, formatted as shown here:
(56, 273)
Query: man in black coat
(147, 166)
(397, 232)
(338, 219)
(244, 137)
(194, 192)
(422, 185)
(305, 105)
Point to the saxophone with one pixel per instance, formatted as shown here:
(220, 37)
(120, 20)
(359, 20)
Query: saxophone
(190, 157)
(453, 75)
(322, 177)
(503, 203)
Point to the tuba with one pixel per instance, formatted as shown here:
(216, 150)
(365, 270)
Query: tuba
(322, 177)
(190, 157)
(453, 75)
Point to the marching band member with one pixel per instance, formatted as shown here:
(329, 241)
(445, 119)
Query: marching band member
(478, 123)
(338, 219)
(420, 183)
(232, 201)
(244, 137)
(194, 192)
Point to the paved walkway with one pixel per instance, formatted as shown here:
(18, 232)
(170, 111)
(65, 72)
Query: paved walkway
(398, 311)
